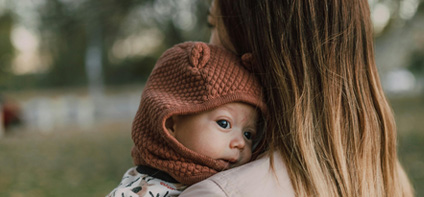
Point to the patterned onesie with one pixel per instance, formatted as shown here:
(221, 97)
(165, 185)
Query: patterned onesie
(145, 181)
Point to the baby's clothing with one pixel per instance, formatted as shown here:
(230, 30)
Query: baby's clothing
(145, 181)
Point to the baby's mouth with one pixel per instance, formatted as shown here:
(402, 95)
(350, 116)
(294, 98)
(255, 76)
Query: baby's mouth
(229, 163)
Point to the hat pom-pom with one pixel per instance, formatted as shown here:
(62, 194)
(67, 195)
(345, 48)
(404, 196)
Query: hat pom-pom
(248, 61)
(200, 54)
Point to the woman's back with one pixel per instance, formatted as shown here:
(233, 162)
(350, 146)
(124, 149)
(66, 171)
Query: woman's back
(256, 178)
(329, 118)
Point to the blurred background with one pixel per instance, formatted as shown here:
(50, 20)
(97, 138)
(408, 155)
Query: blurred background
(72, 72)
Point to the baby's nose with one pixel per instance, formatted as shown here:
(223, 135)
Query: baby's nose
(238, 142)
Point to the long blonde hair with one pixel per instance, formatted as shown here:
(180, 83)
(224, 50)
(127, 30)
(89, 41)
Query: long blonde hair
(329, 117)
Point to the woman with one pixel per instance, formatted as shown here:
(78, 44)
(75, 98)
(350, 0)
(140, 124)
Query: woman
(331, 131)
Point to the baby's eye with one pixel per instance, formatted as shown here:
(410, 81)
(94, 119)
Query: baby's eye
(248, 135)
(223, 123)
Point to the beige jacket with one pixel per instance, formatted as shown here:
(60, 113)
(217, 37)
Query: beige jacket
(253, 179)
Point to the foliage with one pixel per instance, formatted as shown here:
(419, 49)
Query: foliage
(416, 64)
(68, 28)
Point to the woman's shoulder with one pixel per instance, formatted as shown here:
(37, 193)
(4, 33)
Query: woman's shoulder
(256, 178)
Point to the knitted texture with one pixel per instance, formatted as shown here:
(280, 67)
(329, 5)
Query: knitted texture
(189, 78)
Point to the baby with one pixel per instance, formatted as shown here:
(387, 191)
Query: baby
(199, 114)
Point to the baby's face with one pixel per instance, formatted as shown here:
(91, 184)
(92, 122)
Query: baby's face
(224, 133)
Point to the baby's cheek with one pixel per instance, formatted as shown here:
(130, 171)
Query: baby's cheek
(211, 150)
(247, 156)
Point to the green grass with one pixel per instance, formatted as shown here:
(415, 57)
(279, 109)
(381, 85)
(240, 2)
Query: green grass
(409, 114)
(72, 163)
(411, 154)
(64, 164)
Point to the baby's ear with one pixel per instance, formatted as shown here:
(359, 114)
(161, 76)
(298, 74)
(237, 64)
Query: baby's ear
(200, 55)
(248, 61)
(170, 125)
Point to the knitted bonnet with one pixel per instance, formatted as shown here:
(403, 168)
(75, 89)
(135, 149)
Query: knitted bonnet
(188, 78)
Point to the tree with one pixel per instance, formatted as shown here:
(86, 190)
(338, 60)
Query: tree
(67, 30)
(6, 48)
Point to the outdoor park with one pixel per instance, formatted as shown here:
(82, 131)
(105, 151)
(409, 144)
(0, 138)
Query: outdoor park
(72, 72)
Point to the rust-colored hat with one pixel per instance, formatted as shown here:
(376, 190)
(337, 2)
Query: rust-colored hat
(189, 78)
